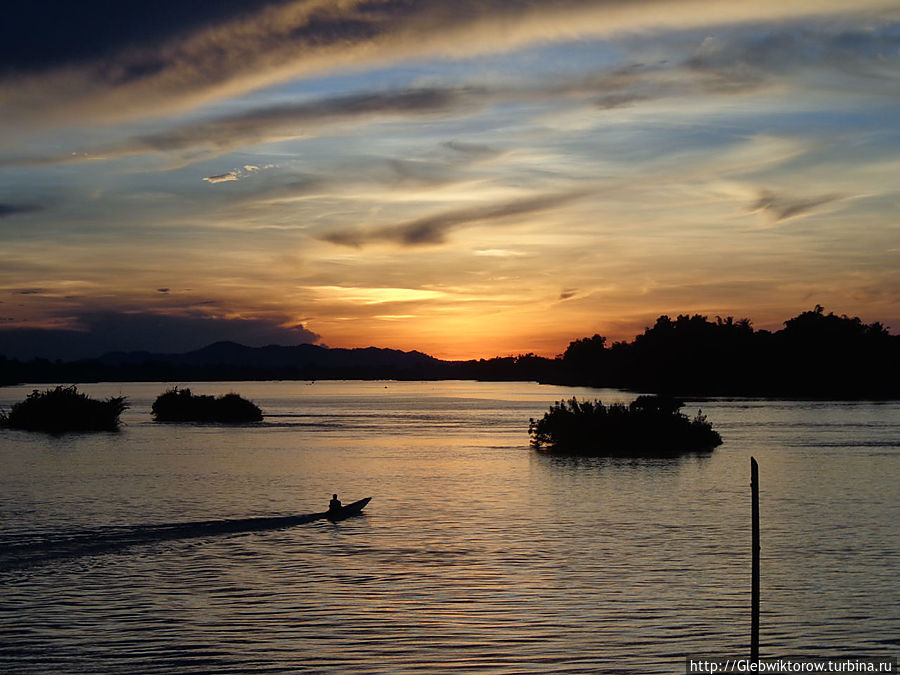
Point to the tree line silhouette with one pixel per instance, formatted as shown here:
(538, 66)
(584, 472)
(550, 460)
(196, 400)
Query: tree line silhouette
(815, 355)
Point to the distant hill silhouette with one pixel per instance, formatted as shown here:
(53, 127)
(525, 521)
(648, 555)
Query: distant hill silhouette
(815, 355)
(232, 361)
(276, 356)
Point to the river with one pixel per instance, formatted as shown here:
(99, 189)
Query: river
(476, 553)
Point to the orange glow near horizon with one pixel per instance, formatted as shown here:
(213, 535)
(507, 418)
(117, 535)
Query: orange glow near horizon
(468, 185)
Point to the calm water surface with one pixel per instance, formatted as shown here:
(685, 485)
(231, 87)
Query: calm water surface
(476, 553)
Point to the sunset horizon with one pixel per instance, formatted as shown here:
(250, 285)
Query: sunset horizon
(136, 334)
(470, 180)
(429, 336)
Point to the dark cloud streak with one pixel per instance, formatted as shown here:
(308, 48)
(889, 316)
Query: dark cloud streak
(90, 30)
(746, 60)
(780, 207)
(258, 125)
(295, 120)
(475, 152)
(434, 229)
(7, 210)
(290, 120)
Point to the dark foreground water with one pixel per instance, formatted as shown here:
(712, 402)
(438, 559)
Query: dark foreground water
(158, 549)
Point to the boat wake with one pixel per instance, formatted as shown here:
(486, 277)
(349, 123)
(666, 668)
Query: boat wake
(56, 546)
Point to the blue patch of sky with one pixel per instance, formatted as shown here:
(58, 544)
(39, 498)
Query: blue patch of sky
(783, 44)
(880, 119)
(533, 63)
(639, 143)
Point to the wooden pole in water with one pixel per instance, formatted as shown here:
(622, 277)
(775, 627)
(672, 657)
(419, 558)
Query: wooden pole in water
(754, 594)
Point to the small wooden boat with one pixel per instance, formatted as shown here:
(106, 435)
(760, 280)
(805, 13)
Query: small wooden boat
(347, 510)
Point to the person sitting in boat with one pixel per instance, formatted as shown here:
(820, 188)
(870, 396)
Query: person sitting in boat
(334, 504)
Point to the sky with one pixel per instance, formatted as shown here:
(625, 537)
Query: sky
(468, 179)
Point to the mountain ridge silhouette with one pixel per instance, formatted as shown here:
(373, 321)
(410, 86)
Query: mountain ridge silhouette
(228, 353)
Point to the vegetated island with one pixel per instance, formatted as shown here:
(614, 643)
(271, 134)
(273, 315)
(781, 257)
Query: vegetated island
(180, 405)
(64, 409)
(650, 425)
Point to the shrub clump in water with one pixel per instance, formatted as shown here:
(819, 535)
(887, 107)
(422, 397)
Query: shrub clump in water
(650, 425)
(64, 409)
(180, 405)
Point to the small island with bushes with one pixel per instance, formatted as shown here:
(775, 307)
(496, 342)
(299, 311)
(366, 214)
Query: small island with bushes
(650, 425)
(64, 409)
(180, 405)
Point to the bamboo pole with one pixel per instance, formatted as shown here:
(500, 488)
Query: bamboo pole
(754, 599)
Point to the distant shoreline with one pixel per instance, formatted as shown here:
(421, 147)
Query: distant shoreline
(817, 356)
(629, 390)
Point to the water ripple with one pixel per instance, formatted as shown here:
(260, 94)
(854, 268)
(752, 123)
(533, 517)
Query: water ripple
(478, 554)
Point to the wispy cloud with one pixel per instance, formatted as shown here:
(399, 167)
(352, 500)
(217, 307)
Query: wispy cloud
(500, 253)
(278, 122)
(779, 207)
(869, 52)
(376, 295)
(236, 174)
(475, 152)
(222, 177)
(740, 64)
(157, 65)
(434, 229)
(293, 120)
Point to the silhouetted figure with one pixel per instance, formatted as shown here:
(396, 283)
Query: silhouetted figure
(334, 505)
